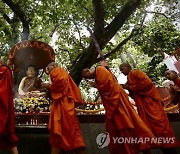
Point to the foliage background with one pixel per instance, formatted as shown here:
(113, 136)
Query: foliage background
(133, 30)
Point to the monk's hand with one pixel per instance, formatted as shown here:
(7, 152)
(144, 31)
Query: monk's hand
(125, 86)
(122, 85)
(104, 63)
(93, 84)
(45, 85)
(175, 88)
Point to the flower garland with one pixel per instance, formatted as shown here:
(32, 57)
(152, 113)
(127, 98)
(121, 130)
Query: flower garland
(32, 104)
(90, 111)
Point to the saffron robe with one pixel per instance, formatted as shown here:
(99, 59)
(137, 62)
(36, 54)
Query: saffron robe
(8, 138)
(121, 118)
(64, 126)
(149, 106)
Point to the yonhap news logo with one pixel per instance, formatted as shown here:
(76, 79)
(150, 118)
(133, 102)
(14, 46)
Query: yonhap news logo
(103, 140)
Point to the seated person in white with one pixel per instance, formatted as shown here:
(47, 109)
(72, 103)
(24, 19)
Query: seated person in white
(30, 83)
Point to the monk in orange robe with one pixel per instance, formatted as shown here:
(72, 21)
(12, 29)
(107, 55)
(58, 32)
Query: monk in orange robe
(8, 138)
(149, 106)
(174, 89)
(121, 119)
(65, 134)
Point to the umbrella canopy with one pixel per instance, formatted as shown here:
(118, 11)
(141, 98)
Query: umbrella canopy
(36, 53)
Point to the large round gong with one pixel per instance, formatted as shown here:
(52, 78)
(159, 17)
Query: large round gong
(28, 53)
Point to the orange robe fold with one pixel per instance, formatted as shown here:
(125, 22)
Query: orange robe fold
(149, 106)
(63, 123)
(121, 118)
(8, 138)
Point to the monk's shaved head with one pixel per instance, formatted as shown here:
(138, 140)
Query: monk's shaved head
(84, 71)
(170, 71)
(125, 64)
(52, 64)
(88, 73)
(171, 75)
(2, 62)
(50, 67)
(125, 68)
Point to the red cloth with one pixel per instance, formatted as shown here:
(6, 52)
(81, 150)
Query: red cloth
(149, 106)
(8, 138)
(63, 123)
(121, 118)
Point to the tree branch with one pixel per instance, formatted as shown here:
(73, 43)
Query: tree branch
(89, 55)
(159, 13)
(5, 29)
(67, 52)
(54, 30)
(80, 41)
(120, 19)
(134, 32)
(5, 16)
(120, 44)
(98, 15)
(74, 61)
(21, 15)
(85, 9)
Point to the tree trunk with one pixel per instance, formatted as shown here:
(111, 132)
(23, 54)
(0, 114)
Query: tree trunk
(90, 54)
